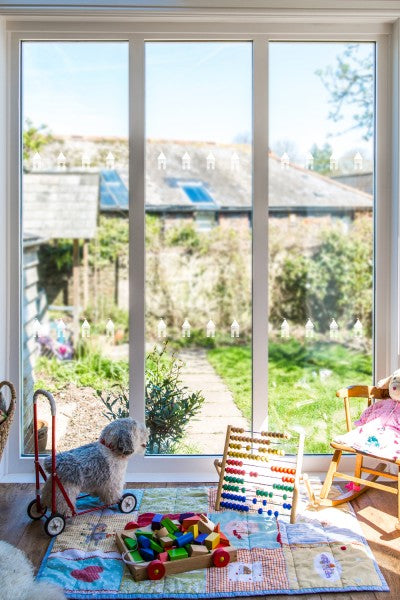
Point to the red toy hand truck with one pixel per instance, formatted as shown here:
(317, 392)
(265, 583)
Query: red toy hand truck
(55, 522)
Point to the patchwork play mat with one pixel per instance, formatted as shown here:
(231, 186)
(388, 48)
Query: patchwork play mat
(324, 551)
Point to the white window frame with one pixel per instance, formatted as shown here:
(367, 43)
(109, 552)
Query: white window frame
(386, 322)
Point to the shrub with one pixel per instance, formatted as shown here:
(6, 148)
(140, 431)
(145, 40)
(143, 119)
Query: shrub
(169, 404)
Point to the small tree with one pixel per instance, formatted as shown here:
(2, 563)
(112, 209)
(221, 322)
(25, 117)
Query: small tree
(169, 405)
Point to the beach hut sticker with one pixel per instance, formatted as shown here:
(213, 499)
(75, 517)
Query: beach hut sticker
(110, 329)
(333, 330)
(235, 329)
(234, 162)
(210, 329)
(358, 329)
(161, 161)
(309, 329)
(285, 329)
(309, 161)
(85, 161)
(60, 329)
(186, 329)
(110, 161)
(61, 162)
(85, 329)
(333, 162)
(186, 162)
(36, 162)
(161, 329)
(358, 162)
(285, 161)
(210, 161)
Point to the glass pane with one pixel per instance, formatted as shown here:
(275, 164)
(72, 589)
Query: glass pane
(198, 243)
(74, 235)
(320, 232)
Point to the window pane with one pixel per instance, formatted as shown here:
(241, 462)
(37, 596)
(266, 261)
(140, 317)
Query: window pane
(320, 232)
(74, 234)
(198, 243)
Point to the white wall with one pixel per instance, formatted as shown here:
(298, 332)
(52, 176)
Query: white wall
(3, 230)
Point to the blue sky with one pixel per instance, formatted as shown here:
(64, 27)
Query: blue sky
(195, 91)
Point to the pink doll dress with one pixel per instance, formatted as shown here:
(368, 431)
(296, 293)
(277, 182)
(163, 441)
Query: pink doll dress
(377, 430)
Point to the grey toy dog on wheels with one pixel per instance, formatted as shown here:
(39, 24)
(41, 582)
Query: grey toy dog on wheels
(99, 468)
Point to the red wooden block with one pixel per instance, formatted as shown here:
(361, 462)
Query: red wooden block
(223, 540)
(217, 528)
(190, 521)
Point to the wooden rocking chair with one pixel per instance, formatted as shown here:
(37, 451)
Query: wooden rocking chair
(372, 393)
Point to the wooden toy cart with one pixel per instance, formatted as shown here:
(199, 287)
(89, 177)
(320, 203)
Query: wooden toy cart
(156, 569)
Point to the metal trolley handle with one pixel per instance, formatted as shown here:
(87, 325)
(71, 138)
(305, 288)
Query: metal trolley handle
(49, 398)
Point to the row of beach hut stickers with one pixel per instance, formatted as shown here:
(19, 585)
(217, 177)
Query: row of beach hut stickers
(186, 161)
(210, 329)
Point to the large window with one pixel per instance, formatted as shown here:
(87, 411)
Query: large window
(233, 281)
(75, 233)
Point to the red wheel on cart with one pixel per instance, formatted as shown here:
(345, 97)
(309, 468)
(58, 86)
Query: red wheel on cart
(54, 525)
(221, 558)
(33, 512)
(156, 570)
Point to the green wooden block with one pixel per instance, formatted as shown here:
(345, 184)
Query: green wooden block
(156, 547)
(130, 543)
(177, 553)
(135, 555)
(147, 534)
(169, 525)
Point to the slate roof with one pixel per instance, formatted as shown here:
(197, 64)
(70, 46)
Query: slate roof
(60, 204)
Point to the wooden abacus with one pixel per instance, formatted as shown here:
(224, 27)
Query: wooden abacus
(256, 474)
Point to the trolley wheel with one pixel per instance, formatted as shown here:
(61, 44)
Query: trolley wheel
(127, 504)
(54, 525)
(221, 558)
(33, 512)
(156, 570)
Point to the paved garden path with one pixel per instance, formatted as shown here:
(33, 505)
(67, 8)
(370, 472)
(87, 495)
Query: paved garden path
(206, 431)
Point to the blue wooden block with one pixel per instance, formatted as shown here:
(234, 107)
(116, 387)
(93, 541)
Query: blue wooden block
(147, 554)
(186, 538)
(201, 538)
(156, 522)
(184, 516)
(143, 542)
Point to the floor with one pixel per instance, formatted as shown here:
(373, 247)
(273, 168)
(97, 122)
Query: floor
(376, 511)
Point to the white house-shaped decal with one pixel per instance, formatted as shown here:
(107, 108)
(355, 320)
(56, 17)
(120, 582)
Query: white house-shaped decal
(161, 329)
(61, 162)
(110, 161)
(85, 161)
(161, 161)
(309, 161)
(36, 162)
(186, 162)
(210, 330)
(358, 162)
(110, 329)
(210, 162)
(234, 162)
(186, 328)
(333, 162)
(285, 161)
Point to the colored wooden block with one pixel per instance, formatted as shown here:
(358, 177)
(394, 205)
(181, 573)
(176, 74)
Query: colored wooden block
(163, 556)
(177, 553)
(156, 547)
(223, 540)
(135, 556)
(143, 541)
(205, 525)
(144, 533)
(201, 538)
(186, 523)
(194, 530)
(147, 554)
(212, 540)
(196, 550)
(185, 538)
(130, 543)
(178, 532)
(184, 516)
(168, 524)
(166, 542)
(217, 528)
(156, 522)
(163, 532)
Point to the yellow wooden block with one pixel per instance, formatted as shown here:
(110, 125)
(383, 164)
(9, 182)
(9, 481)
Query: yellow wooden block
(212, 540)
(195, 530)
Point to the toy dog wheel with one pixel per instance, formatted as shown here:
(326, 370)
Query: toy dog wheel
(221, 558)
(156, 570)
(127, 504)
(54, 525)
(33, 512)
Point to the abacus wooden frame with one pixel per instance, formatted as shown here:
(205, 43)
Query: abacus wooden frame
(259, 33)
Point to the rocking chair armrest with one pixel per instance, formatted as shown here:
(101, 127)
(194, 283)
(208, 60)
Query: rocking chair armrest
(371, 392)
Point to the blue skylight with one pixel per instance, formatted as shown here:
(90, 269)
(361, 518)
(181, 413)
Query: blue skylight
(197, 193)
(113, 191)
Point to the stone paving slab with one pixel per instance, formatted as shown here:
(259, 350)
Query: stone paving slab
(207, 429)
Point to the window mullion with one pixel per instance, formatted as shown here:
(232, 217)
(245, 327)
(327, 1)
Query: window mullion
(136, 227)
(260, 231)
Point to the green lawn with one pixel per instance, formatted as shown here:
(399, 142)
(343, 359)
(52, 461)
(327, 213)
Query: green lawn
(302, 383)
